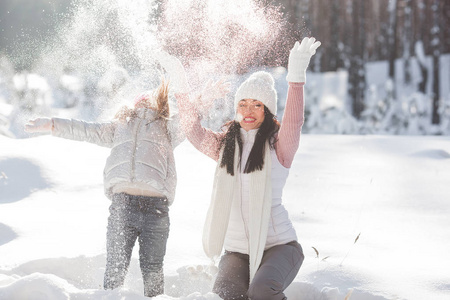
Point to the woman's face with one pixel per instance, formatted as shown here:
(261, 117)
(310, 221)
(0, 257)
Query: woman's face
(250, 113)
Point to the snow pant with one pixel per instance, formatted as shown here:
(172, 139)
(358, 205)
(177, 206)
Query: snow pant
(145, 219)
(279, 266)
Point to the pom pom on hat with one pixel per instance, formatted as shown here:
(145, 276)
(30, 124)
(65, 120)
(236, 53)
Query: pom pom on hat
(259, 86)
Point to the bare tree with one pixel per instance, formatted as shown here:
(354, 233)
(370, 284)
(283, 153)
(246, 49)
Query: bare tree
(407, 39)
(392, 35)
(357, 78)
(334, 61)
(436, 8)
(419, 44)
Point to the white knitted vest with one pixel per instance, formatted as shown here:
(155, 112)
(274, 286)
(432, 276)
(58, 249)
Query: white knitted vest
(218, 214)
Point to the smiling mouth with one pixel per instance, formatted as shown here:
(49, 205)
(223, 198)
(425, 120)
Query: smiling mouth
(249, 120)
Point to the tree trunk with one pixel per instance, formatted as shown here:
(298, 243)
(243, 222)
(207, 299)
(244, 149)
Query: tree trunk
(333, 63)
(436, 53)
(407, 41)
(393, 9)
(357, 78)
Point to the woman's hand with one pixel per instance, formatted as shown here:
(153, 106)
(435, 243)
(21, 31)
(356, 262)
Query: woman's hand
(212, 91)
(42, 125)
(299, 58)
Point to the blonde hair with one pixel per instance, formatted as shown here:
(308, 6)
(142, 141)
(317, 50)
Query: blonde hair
(158, 97)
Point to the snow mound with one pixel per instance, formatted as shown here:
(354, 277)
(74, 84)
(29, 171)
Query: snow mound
(6, 234)
(36, 286)
(433, 154)
(19, 177)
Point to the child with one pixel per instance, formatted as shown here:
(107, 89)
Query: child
(139, 178)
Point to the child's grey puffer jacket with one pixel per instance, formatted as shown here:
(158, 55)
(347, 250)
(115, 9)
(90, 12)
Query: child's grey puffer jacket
(141, 149)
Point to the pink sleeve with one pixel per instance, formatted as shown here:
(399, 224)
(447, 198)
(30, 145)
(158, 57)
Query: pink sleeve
(291, 125)
(205, 140)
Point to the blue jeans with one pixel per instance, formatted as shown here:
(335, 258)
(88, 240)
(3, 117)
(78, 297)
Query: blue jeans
(279, 266)
(145, 219)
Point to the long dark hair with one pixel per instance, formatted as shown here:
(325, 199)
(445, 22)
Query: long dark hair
(266, 132)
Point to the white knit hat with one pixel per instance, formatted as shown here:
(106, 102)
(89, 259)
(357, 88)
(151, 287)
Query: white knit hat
(259, 86)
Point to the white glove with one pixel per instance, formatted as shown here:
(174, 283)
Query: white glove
(42, 125)
(299, 58)
(211, 92)
(175, 69)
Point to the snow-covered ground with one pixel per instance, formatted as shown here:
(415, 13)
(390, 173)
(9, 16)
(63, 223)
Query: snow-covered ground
(375, 209)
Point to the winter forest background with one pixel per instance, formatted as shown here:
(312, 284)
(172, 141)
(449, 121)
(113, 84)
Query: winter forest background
(383, 67)
(367, 193)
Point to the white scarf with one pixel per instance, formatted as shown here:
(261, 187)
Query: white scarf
(216, 223)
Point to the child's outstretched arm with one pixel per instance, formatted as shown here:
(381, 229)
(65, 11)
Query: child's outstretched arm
(101, 134)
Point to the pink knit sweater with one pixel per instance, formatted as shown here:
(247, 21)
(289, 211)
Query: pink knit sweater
(208, 141)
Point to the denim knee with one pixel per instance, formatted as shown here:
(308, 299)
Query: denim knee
(265, 289)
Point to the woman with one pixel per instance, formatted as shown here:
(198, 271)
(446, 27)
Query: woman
(139, 178)
(253, 154)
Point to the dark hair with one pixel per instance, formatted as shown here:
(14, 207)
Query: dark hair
(266, 132)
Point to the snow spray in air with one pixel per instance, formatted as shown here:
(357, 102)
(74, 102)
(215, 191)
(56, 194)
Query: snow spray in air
(109, 43)
(228, 36)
